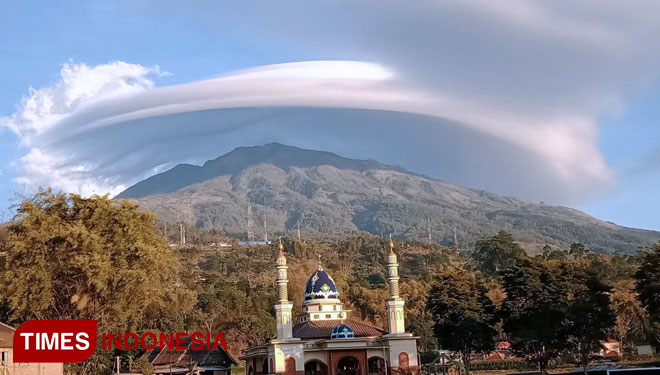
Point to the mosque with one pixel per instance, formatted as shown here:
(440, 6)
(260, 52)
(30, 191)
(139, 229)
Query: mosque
(325, 341)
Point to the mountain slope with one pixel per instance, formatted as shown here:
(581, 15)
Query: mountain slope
(234, 162)
(331, 196)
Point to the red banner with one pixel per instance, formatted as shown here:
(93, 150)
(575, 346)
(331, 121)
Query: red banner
(55, 341)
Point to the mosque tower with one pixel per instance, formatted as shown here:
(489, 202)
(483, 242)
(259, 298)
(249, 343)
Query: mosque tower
(283, 307)
(394, 303)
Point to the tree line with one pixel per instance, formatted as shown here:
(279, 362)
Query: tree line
(558, 302)
(68, 257)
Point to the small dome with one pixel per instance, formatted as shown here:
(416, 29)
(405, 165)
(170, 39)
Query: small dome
(320, 286)
(342, 331)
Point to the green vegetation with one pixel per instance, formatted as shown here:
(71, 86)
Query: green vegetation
(464, 316)
(91, 258)
(67, 257)
(648, 287)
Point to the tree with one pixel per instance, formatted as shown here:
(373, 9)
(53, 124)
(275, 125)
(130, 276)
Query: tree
(496, 253)
(578, 250)
(462, 313)
(630, 315)
(534, 310)
(647, 285)
(589, 315)
(70, 257)
(551, 254)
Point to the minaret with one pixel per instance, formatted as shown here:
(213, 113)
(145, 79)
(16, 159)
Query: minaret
(284, 306)
(394, 303)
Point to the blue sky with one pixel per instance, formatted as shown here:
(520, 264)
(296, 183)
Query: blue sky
(554, 102)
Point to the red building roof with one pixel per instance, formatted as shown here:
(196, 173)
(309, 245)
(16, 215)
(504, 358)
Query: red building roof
(322, 329)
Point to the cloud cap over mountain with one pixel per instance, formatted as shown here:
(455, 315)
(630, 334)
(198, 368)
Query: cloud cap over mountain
(504, 97)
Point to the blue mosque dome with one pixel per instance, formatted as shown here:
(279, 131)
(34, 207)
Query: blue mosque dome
(320, 286)
(342, 331)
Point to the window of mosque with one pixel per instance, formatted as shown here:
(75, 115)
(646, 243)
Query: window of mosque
(342, 331)
(328, 316)
(316, 316)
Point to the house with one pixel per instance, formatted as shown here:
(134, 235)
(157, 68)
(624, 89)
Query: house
(502, 352)
(9, 367)
(326, 341)
(610, 349)
(198, 362)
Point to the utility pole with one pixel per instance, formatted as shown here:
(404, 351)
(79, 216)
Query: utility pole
(265, 230)
(430, 240)
(182, 234)
(455, 239)
(250, 235)
(298, 229)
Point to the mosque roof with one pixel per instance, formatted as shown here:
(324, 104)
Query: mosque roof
(322, 329)
(320, 286)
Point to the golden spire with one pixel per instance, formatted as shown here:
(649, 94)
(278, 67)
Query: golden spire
(391, 246)
(281, 248)
(320, 266)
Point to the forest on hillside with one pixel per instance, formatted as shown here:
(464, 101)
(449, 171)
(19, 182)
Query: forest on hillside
(68, 257)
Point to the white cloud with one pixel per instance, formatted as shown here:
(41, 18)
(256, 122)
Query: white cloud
(503, 82)
(79, 85)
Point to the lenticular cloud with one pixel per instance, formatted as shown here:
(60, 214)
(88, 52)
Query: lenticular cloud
(102, 128)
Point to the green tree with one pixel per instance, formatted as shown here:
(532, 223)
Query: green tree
(462, 313)
(551, 254)
(589, 316)
(578, 250)
(70, 257)
(496, 253)
(533, 311)
(647, 284)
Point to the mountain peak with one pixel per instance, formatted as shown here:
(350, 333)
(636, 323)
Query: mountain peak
(235, 161)
(289, 189)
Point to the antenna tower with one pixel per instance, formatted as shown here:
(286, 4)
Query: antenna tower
(250, 235)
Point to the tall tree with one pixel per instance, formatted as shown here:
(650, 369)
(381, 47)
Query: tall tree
(463, 314)
(630, 315)
(589, 316)
(496, 253)
(534, 310)
(647, 285)
(70, 257)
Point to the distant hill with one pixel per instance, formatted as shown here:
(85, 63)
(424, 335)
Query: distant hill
(331, 196)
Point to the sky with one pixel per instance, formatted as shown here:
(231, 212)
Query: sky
(548, 101)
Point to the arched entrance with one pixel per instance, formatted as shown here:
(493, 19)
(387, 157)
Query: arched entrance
(376, 366)
(315, 367)
(290, 366)
(348, 366)
(404, 361)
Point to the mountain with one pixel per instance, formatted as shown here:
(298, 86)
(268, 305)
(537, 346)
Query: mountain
(331, 196)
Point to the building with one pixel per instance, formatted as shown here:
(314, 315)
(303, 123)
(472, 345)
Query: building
(9, 367)
(502, 352)
(189, 361)
(325, 341)
(610, 348)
